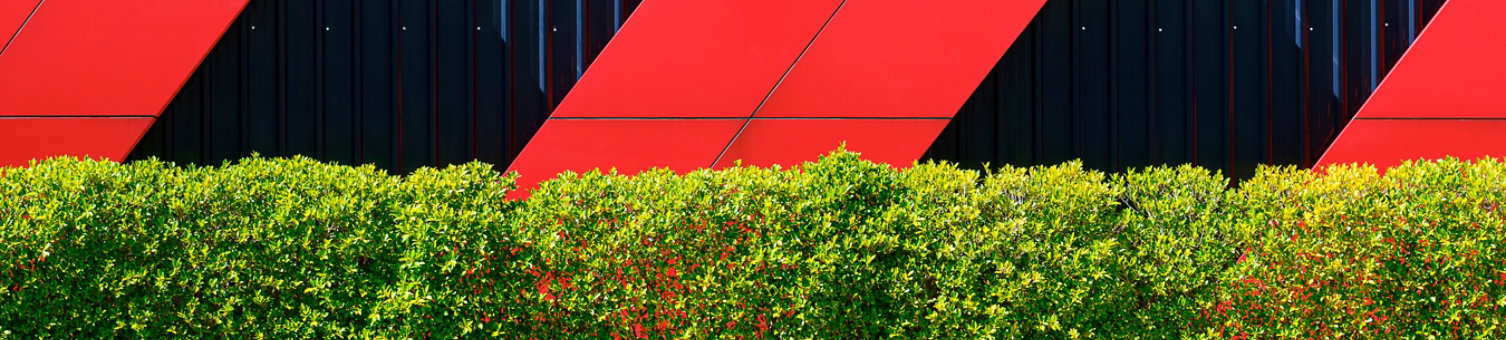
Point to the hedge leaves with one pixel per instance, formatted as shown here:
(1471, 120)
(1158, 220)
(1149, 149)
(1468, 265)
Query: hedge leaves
(841, 248)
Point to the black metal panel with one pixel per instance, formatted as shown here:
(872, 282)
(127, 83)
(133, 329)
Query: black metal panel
(403, 84)
(1277, 90)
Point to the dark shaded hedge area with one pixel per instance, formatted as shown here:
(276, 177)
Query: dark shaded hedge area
(841, 248)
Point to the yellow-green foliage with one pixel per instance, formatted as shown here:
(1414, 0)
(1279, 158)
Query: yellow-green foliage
(841, 248)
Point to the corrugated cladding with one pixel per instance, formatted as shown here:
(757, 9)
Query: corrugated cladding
(1226, 84)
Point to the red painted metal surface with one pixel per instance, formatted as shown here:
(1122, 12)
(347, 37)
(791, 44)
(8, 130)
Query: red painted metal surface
(1454, 70)
(24, 139)
(12, 14)
(789, 142)
(696, 58)
(874, 58)
(1388, 142)
(81, 57)
(629, 145)
(1424, 109)
(900, 58)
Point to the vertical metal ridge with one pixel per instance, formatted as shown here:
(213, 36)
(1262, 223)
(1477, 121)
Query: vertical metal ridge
(472, 93)
(1115, 146)
(1153, 104)
(358, 59)
(1270, 107)
(1232, 150)
(321, 100)
(282, 77)
(245, 82)
(1189, 79)
(397, 79)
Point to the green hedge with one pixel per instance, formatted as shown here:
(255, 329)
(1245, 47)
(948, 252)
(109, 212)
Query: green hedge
(841, 248)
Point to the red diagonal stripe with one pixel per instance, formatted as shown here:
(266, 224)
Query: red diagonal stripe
(629, 145)
(696, 58)
(1454, 70)
(13, 13)
(98, 137)
(871, 58)
(900, 58)
(1431, 104)
(96, 59)
(82, 57)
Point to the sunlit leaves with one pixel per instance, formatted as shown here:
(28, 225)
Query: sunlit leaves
(840, 248)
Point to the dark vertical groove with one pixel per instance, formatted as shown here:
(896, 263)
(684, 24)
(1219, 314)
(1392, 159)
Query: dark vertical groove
(1113, 59)
(1233, 148)
(472, 93)
(1270, 106)
(1077, 78)
(1342, 45)
(1192, 80)
(321, 100)
(1305, 29)
(206, 112)
(550, 27)
(433, 45)
(397, 75)
(1153, 105)
(1380, 39)
(358, 23)
(510, 50)
(244, 91)
(282, 77)
(1038, 110)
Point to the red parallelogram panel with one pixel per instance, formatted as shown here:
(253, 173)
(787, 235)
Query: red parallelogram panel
(789, 142)
(630, 145)
(13, 13)
(696, 58)
(874, 59)
(83, 57)
(1387, 142)
(1443, 97)
(24, 139)
(1454, 70)
(900, 58)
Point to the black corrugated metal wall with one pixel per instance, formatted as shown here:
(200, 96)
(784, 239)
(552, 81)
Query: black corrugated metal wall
(405, 83)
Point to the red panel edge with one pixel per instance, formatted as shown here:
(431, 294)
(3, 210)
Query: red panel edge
(44, 137)
(13, 14)
(900, 59)
(189, 75)
(629, 145)
(790, 142)
(56, 26)
(1451, 71)
(1388, 142)
(696, 58)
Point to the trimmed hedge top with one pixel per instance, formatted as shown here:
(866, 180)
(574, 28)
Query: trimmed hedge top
(841, 248)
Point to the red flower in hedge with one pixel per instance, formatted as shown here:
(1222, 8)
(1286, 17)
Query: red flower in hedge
(639, 332)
